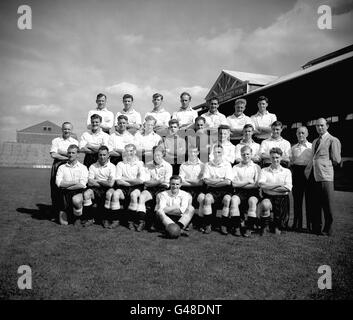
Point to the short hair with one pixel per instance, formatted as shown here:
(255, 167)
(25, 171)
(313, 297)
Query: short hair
(175, 177)
(223, 127)
(122, 116)
(157, 95)
(248, 125)
(261, 98)
(130, 145)
(65, 123)
(103, 148)
(99, 95)
(72, 146)
(200, 118)
(172, 121)
(240, 101)
(276, 150)
(214, 98)
(151, 118)
(277, 124)
(128, 96)
(158, 148)
(96, 116)
(245, 148)
(185, 94)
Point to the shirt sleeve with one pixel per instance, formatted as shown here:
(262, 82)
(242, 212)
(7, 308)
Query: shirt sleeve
(84, 176)
(168, 174)
(257, 173)
(335, 151)
(83, 141)
(206, 172)
(110, 121)
(111, 143)
(262, 176)
(264, 148)
(229, 172)
(182, 174)
(161, 201)
(237, 154)
(288, 180)
(119, 171)
(232, 154)
(174, 115)
(106, 139)
(91, 174)
(138, 118)
(89, 118)
(54, 146)
(184, 202)
(141, 172)
(59, 176)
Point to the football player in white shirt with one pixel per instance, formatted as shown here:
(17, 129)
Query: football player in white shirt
(245, 181)
(91, 141)
(300, 157)
(71, 179)
(213, 117)
(185, 115)
(58, 152)
(129, 180)
(107, 116)
(134, 117)
(217, 177)
(263, 120)
(275, 183)
(276, 141)
(101, 178)
(247, 140)
(157, 176)
(238, 120)
(174, 205)
(119, 139)
(160, 114)
(228, 147)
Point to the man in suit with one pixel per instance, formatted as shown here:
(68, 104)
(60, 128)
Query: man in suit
(326, 152)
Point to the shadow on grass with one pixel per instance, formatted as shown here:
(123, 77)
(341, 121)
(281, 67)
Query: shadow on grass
(43, 212)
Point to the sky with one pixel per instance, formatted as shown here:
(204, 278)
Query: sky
(77, 49)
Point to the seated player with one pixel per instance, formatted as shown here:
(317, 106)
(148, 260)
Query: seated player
(101, 178)
(191, 173)
(146, 139)
(119, 139)
(129, 181)
(275, 183)
(223, 140)
(174, 145)
(247, 140)
(92, 140)
(245, 181)
(275, 141)
(174, 205)
(71, 179)
(157, 176)
(217, 177)
(58, 152)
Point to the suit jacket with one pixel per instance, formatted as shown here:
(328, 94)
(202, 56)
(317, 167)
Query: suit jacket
(327, 154)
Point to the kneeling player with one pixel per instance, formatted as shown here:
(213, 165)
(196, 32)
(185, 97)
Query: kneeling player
(174, 205)
(276, 183)
(245, 181)
(157, 178)
(129, 179)
(101, 178)
(71, 180)
(217, 177)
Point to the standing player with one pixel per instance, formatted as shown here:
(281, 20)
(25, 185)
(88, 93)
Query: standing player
(107, 116)
(238, 120)
(217, 177)
(247, 140)
(71, 179)
(276, 141)
(275, 183)
(134, 121)
(174, 205)
(101, 178)
(91, 141)
(213, 117)
(58, 152)
(160, 114)
(157, 176)
(245, 181)
(263, 120)
(185, 115)
(300, 157)
(129, 180)
(223, 140)
(119, 139)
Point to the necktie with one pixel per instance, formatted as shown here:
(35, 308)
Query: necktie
(317, 144)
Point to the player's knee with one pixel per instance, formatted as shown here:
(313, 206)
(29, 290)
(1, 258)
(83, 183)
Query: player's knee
(201, 197)
(266, 205)
(77, 200)
(116, 195)
(208, 199)
(226, 200)
(88, 194)
(252, 201)
(235, 201)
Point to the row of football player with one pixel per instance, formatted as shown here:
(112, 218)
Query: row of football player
(206, 188)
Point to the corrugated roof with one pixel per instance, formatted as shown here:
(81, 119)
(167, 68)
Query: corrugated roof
(253, 78)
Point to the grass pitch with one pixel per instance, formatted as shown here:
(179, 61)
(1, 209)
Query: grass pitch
(97, 263)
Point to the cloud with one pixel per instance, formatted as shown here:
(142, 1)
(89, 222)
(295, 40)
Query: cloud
(9, 120)
(130, 39)
(131, 88)
(41, 110)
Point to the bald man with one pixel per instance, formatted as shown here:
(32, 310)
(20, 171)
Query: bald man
(326, 152)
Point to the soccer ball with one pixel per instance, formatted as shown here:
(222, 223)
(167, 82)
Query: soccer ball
(173, 231)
